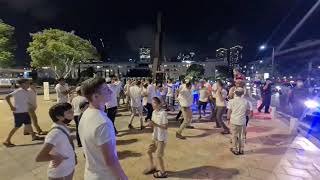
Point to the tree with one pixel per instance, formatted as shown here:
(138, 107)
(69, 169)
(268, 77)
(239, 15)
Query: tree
(7, 45)
(195, 71)
(60, 51)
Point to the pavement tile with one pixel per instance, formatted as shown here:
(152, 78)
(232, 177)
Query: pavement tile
(287, 177)
(297, 172)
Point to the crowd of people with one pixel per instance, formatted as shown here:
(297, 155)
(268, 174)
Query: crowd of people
(94, 109)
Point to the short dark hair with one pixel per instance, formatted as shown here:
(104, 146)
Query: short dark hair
(239, 93)
(60, 79)
(92, 87)
(58, 110)
(188, 84)
(22, 81)
(157, 100)
(138, 83)
(220, 82)
(150, 80)
(83, 104)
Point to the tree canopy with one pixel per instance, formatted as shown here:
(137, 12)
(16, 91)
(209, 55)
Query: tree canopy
(59, 50)
(7, 45)
(195, 71)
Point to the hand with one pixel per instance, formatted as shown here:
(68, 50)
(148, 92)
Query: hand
(13, 108)
(57, 160)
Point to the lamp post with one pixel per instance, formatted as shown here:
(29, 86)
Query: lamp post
(264, 47)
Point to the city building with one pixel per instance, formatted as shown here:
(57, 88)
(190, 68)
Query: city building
(222, 54)
(235, 57)
(145, 55)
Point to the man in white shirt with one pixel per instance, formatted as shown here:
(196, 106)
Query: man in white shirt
(112, 105)
(151, 94)
(97, 134)
(126, 92)
(221, 95)
(62, 91)
(170, 94)
(20, 109)
(203, 98)
(135, 93)
(238, 109)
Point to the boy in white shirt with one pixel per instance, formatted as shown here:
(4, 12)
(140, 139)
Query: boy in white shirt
(20, 109)
(135, 94)
(76, 101)
(170, 95)
(62, 91)
(159, 122)
(97, 134)
(238, 109)
(203, 98)
(58, 146)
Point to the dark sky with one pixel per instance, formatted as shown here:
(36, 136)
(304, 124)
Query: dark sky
(199, 25)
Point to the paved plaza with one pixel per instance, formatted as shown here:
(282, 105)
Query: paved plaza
(271, 153)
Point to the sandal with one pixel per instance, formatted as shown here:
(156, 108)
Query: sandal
(160, 174)
(37, 138)
(234, 151)
(8, 144)
(149, 171)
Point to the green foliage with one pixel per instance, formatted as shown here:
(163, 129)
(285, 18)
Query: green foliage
(7, 45)
(59, 50)
(195, 71)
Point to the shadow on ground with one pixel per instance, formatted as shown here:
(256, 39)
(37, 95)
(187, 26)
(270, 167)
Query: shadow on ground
(128, 154)
(126, 141)
(271, 151)
(205, 172)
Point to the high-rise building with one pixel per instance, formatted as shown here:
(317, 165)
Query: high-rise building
(222, 54)
(235, 56)
(145, 55)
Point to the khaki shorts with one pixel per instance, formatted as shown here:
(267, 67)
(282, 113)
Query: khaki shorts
(157, 147)
(136, 110)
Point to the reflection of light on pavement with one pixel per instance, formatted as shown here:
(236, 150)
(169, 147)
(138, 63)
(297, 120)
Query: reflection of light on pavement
(303, 143)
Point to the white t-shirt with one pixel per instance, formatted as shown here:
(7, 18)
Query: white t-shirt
(135, 96)
(214, 89)
(33, 97)
(76, 101)
(151, 93)
(239, 107)
(185, 97)
(145, 98)
(203, 94)
(113, 101)
(61, 98)
(96, 129)
(21, 99)
(160, 117)
(221, 102)
(62, 146)
(170, 89)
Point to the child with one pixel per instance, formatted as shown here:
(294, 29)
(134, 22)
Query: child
(20, 110)
(238, 109)
(76, 101)
(159, 122)
(58, 146)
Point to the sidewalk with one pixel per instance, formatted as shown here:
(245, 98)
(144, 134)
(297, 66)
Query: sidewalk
(270, 152)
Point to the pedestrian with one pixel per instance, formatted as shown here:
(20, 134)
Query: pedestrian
(159, 123)
(195, 92)
(266, 93)
(97, 134)
(297, 97)
(76, 101)
(112, 105)
(203, 98)
(221, 95)
(163, 94)
(135, 94)
(126, 92)
(62, 91)
(238, 109)
(186, 100)
(182, 85)
(170, 95)
(32, 110)
(20, 110)
(145, 97)
(58, 146)
(151, 93)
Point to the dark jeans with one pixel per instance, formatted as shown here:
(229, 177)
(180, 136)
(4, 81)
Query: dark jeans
(76, 120)
(111, 113)
(149, 111)
(219, 113)
(265, 103)
(202, 105)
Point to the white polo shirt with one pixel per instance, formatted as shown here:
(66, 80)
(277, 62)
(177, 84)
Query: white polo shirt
(62, 146)
(96, 129)
(21, 99)
(239, 107)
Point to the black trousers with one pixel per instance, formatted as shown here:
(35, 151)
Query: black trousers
(266, 101)
(76, 120)
(149, 111)
(111, 113)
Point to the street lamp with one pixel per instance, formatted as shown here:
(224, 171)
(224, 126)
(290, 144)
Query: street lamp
(264, 47)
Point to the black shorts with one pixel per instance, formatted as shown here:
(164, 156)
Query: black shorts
(21, 118)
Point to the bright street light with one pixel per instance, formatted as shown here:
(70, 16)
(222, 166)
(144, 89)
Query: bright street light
(260, 61)
(262, 47)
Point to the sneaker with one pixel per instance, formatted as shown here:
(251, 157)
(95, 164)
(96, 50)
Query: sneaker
(130, 126)
(190, 127)
(179, 136)
(225, 132)
(37, 138)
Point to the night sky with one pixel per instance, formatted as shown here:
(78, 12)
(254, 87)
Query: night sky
(201, 26)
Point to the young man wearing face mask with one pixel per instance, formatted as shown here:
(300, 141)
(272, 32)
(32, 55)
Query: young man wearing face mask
(58, 147)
